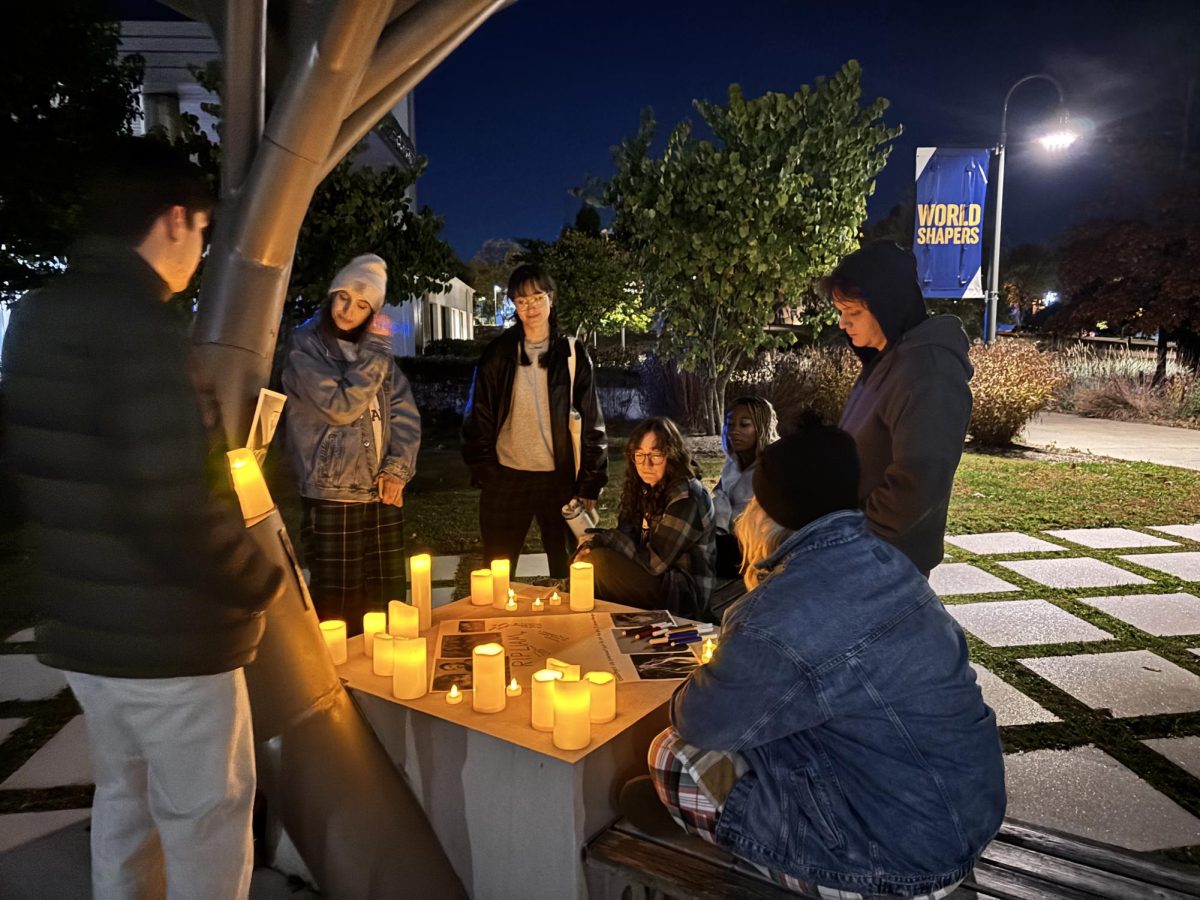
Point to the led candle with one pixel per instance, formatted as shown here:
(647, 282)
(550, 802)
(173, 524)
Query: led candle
(487, 678)
(572, 715)
(334, 632)
(408, 668)
(381, 651)
(555, 600)
(481, 587)
(543, 698)
(583, 587)
(511, 605)
(499, 583)
(373, 623)
(403, 620)
(706, 654)
(569, 672)
(537, 605)
(604, 695)
(422, 593)
(513, 689)
(249, 484)
(454, 695)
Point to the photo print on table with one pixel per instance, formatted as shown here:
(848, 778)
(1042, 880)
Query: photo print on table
(461, 645)
(665, 666)
(447, 672)
(640, 619)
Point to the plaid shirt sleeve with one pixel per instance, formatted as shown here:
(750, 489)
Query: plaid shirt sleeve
(680, 527)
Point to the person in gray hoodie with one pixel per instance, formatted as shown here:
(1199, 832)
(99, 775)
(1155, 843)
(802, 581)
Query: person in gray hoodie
(910, 407)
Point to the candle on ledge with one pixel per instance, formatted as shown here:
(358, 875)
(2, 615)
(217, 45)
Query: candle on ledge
(454, 695)
(604, 695)
(487, 678)
(569, 672)
(403, 620)
(511, 605)
(408, 668)
(537, 605)
(513, 689)
(381, 652)
(706, 654)
(499, 583)
(422, 592)
(583, 587)
(334, 632)
(249, 484)
(481, 587)
(555, 600)
(572, 715)
(543, 698)
(373, 623)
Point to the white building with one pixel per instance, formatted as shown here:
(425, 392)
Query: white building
(436, 316)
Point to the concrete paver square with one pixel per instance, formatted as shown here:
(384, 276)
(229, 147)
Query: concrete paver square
(8, 726)
(22, 677)
(1183, 751)
(1001, 542)
(1011, 706)
(1191, 532)
(1010, 623)
(1085, 791)
(1076, 572)
(21, 828)
(1110, 538)
(445, 568)
(1163, 614)
(21, 637)
(964, 578)
(532, 565)
(63, 760)
(1128, 683)
(1185, 566)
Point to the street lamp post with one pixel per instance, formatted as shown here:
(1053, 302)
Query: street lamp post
(496, 289)
(1057, 140)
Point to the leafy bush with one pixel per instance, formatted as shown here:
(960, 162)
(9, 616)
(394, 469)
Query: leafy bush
(669, 391)
(455, 347)
(814, 380)
(1012, 381)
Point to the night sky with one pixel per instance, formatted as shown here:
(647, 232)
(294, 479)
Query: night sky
(530, 105)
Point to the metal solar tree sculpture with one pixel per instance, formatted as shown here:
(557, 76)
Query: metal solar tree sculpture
(305, 81)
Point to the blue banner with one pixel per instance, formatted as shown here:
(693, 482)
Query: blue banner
(948, 225)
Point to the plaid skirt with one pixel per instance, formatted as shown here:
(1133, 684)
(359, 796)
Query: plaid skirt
(355, 554)
(693, 784)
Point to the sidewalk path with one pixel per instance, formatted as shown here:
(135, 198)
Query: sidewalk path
(1135, 441)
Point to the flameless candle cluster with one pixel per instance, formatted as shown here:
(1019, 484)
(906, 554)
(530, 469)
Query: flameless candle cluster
(334, 632)
(422, 590)
(499, 583)
(583, 587)
(373, 624)
(403, 620)
(481, 587)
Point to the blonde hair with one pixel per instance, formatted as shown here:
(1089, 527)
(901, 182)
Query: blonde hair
(759, 536)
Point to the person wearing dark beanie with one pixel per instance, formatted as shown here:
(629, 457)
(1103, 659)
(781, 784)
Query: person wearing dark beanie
(838, 678)
(909, 410)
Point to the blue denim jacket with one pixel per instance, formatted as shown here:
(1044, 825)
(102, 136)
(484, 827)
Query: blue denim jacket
(876, 766)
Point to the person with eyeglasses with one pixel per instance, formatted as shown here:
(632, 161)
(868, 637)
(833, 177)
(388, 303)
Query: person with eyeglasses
(662, 554)
(529, 386)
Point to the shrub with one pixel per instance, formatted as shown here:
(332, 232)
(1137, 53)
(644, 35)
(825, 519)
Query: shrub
(455, 347)
(808, 380)
(1136, 399)
(669, 391)
(1012, 381)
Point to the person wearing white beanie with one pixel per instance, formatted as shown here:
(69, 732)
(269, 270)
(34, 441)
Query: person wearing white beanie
(353, 433)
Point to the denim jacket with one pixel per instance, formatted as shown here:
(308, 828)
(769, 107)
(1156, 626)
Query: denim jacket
(331, 441)
(875, 764)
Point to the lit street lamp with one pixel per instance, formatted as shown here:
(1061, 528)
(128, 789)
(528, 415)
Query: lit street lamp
(496, 291)
(1060, 138)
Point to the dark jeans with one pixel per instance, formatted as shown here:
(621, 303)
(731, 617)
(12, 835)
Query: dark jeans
(620, 579)
(510, 501)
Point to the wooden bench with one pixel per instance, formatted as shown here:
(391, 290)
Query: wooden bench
(1024, 862)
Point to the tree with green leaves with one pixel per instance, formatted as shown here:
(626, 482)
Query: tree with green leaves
(598, 288)
(726, 231)
(62, 89)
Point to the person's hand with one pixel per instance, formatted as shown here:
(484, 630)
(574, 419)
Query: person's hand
(381, 325)
(584, 551)
(391, 489)
(589, 505)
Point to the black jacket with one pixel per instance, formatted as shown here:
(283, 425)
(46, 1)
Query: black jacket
(491, 399)
(143, 567)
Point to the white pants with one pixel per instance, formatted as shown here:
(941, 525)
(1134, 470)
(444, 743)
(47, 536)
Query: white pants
(174, 765)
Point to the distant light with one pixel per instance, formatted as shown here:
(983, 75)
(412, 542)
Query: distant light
(1057, 140)
(1050, 297)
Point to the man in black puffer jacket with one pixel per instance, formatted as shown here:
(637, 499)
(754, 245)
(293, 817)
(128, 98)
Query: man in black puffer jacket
(150, 592)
